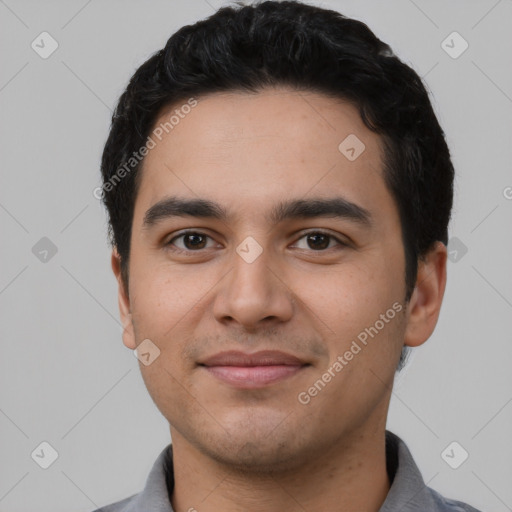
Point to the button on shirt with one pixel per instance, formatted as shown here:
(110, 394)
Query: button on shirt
(408, 492)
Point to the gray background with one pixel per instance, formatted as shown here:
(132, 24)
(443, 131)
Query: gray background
(66, 377)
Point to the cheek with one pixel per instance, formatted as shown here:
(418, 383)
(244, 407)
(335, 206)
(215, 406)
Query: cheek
(163, 295)
(168, 305)
(347, 305)
(342, 297)
(163, 311)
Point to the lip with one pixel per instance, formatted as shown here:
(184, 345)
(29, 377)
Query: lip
(261, 358)
(249, 371)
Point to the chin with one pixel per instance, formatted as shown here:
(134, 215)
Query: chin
(254, 457)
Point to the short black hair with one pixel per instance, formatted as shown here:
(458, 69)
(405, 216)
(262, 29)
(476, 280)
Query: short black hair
(247, 48)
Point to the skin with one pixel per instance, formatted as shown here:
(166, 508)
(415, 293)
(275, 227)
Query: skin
(261, 449)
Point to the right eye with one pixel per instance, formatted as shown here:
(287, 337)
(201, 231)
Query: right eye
(192, 241)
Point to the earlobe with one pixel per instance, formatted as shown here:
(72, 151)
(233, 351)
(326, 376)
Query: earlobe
(124, 304)
(427, 297)
(129, 333)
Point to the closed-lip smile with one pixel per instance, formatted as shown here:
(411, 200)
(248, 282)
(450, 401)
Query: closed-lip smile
(258, 369)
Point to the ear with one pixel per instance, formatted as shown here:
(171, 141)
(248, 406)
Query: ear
(425, 303)
(124, 303)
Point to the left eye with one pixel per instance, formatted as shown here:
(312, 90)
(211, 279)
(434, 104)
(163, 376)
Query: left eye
(319, 240)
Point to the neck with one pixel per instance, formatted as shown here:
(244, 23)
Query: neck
(350, 476)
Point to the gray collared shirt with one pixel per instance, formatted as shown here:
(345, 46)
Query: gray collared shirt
(408, 492)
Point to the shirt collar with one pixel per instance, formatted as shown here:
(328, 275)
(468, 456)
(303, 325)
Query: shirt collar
(408, 491)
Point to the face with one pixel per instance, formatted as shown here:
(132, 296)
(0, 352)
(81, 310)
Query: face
(321, 282)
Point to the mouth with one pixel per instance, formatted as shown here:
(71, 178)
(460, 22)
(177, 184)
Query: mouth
(250, 371)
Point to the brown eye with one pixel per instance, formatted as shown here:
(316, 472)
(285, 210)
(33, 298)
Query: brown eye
(190, 241)
(196, 241)
(320, 241)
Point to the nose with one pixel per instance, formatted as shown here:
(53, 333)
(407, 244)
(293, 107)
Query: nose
(253, 295)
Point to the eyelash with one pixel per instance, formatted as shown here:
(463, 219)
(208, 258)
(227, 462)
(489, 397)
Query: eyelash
(170, 246)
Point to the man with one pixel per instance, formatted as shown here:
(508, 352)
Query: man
(278, 190)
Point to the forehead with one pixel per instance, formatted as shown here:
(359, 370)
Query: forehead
(247, 151)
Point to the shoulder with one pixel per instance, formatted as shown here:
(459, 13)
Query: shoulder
(119, 506)
(156, 492)
(447, 505)
(408, 490)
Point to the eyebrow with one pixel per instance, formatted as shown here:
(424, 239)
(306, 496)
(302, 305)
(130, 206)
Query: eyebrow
(336, 207)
